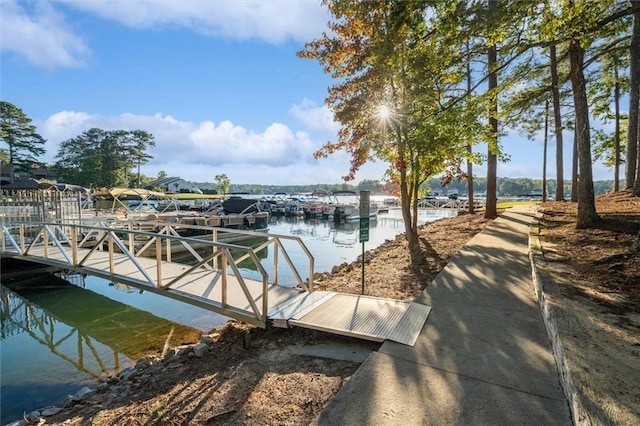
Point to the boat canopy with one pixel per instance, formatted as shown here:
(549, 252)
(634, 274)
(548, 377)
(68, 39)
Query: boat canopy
(121, 197)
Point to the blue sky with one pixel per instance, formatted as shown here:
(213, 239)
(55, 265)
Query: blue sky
(218, 84)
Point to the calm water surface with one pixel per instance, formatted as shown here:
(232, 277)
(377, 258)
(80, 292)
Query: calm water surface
(55, 341)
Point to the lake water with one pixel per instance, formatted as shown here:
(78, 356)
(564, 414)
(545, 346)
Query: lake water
(55, 341)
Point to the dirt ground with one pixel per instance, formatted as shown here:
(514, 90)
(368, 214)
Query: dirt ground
(251, 376)
(596, 289)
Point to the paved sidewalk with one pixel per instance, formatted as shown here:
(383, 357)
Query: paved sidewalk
(483, 356)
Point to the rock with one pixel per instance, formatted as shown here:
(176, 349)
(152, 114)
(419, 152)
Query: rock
(200, 349)
(50, 411)
(126, 373)
(183, 350)
(171, 360)
(210, 338)
(168, 354)
(21, 422)
(32, 417)
(82, 394)
(145, 362)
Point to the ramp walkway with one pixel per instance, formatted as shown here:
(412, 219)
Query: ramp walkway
(220, 277)
(483, 358)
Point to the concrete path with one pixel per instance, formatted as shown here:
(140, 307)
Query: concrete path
(483, 356)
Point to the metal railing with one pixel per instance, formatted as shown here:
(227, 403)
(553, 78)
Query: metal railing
(149, 246)
(447, 203)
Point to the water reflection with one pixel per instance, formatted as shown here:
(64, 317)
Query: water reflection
(333, 244)
(86, 337)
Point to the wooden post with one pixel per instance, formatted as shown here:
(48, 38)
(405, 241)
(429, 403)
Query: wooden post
(223, 272)
(158, 262)
(74, 245)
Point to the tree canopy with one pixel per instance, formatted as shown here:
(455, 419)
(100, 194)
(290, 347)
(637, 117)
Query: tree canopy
(24, 144)
(424, 65)
(223, 183)
(103, 158)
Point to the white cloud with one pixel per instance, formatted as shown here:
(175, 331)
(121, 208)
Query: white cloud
(315, 117)
(274, 155)
(199, 151)
(41, 35)
(62, 126)
(271, 21)
(227, 143)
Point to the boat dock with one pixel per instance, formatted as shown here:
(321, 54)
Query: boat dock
(225, 278)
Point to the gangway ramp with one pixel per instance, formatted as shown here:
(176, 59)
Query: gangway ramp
(215, 281)
(365, 317)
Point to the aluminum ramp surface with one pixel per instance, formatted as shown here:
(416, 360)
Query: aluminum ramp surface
(365, 317)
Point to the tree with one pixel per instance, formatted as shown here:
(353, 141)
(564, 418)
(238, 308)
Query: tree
(24, 143)
(587, 28)
(491, 210)
(393, 78)
(557, 118)
(223, 183)
(584, 25)
(633, 130)
(141, 141)
(606, 89)
(101, 158)
(587, 215)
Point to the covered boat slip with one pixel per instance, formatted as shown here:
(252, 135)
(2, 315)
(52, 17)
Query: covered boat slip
(216, 281)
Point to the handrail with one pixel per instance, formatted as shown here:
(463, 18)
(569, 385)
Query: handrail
(220, 232)
(78, 243)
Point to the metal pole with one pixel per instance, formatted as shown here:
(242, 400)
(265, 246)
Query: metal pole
(362, 291)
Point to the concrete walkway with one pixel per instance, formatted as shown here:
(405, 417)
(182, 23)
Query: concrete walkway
(483, 356)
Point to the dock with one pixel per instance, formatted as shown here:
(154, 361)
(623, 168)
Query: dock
(213, 275)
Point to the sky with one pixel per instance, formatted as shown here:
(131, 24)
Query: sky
(217, 83)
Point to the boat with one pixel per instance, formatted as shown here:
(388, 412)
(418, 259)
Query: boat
(318, 205)
(347, 207)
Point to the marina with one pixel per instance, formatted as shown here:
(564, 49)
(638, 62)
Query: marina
(330, 243)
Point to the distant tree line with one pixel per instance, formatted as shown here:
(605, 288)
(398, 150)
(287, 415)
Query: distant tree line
(506, 187)
(515, 186)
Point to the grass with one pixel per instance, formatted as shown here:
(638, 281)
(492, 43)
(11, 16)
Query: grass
(507, 204)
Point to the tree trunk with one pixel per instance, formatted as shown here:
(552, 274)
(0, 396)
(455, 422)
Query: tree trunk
(574, 170)
(544, 152)
(587, 215)
(491, 209)
(616, 136)
(555, 91)
(636, 244)
(12, 176)
(471, 207)
(633, 133)
(411, 233)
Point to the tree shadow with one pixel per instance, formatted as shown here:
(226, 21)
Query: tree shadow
(230, 384)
